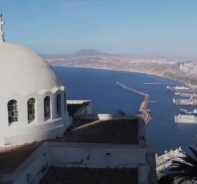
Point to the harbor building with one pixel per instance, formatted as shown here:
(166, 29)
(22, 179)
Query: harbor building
(45, 140)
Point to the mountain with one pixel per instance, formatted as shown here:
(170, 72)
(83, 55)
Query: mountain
(86, 52)
(48, 55)
(81, 53)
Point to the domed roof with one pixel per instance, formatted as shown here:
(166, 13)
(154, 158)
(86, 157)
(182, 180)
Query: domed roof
(23, 72)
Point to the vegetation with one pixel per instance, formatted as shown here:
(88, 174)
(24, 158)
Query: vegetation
(185, 168)
(165, 179)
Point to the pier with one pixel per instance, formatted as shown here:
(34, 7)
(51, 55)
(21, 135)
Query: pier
(143, 107)
(158, 83)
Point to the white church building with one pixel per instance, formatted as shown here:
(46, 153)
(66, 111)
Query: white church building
(33, 107)
(32, 100)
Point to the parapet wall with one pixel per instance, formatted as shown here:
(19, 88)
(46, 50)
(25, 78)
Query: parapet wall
(77, 155)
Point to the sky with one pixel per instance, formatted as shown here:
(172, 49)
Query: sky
(156, 28)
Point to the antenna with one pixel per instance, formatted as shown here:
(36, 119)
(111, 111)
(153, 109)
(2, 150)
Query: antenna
(1, 29)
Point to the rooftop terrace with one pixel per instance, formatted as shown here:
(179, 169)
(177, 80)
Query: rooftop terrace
(73, 108)
(83, 131)
(103, 131)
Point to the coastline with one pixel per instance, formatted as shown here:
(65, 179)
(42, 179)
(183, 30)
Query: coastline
(133, 71)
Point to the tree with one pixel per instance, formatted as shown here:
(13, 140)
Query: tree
(165, 179)
(185, 167)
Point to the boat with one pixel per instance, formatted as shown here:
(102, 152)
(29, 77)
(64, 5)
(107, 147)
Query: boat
(181, 89)
(184, 111)
(194, 112)
(185, 119)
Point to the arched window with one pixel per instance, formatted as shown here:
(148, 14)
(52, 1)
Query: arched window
(31, 109)
(58, 104)
(65, 104)
(47, 114)
(12, 111)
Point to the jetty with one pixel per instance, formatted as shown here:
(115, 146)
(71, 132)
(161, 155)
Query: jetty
(158, 83)
(143, 107)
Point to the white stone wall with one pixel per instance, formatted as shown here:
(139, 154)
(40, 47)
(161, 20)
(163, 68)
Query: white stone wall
(86, 109)
(32, 170)
(97, 156)
(21, 132)
(78, 155)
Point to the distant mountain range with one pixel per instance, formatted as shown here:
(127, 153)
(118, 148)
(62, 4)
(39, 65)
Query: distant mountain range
(81, 53)
(86, 52)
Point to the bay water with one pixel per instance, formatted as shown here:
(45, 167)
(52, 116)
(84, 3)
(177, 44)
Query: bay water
(107, 97)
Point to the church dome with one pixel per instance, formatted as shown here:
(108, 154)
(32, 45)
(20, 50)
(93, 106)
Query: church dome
(23, 72)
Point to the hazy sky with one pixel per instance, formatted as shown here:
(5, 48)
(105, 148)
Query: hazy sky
(132, 27)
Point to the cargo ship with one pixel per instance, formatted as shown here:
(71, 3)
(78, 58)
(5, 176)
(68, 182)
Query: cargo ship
(181, 89)
(184, 101)
(186, 116)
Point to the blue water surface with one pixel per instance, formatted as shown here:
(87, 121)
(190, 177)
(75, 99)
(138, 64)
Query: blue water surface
(100, 87)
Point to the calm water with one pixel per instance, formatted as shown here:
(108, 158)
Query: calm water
(100, 87)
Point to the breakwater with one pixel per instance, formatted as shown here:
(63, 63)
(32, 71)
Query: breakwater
(143, 107)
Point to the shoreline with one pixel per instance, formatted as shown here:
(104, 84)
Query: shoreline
(132, 71)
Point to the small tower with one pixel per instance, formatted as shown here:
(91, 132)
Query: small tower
(1, 29)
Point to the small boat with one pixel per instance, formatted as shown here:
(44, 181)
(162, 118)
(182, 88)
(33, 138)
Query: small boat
(183, 111)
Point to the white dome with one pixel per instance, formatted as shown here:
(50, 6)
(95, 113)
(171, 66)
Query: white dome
(23, 72)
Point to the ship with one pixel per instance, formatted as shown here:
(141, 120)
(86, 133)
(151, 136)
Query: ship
(184, 111)
(186, 116)
(181, 89)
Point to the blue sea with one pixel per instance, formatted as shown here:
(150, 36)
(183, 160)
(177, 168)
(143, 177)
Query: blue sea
(107, 97)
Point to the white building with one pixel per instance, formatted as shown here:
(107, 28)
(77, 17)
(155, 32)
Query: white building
(33, 107)
(32, 100)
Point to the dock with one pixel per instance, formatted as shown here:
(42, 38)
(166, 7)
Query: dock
(158, 83)
(143, 107)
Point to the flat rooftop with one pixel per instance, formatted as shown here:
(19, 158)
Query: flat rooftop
(12, 157)
(103, 131)
(90, 176)
(73, 108)
(82, 131)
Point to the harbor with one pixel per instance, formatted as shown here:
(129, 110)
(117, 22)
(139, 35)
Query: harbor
(143, 107)
(189, 98)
